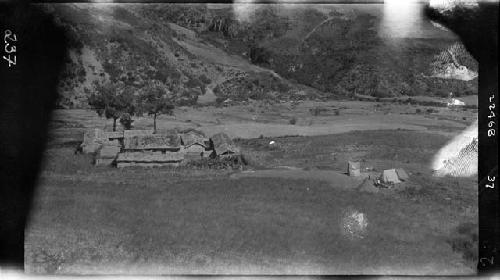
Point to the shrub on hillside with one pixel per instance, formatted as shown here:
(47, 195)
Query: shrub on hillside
(316, 111)
(194, 83)
(230, 162)
(259, 55)
(259, 86)
(204, 79)
(126, 121)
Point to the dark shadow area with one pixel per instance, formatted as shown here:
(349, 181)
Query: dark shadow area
(28, 91)
(478, 30)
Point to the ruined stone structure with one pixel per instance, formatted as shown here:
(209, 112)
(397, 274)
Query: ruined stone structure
(149, 158)
(107, 153)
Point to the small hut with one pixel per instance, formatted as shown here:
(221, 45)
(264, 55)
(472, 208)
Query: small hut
(143, 148)
(94, 139)
(195, 144)
(354, 168)
(223, 145)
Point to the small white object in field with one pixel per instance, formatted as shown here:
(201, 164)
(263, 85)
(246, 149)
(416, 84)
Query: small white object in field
(353, 224)
(272, 143)
(455, 102)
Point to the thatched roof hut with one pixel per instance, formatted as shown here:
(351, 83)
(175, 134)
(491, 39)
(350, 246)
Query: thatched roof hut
(224, 145)
(194, 137)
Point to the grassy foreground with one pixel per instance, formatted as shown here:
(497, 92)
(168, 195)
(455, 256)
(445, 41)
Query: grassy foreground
(91, 219)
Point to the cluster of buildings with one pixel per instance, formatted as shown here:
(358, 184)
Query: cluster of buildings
(147, 148)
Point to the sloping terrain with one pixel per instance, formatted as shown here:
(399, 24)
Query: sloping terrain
(276, 54)
(342, 52)
(126, 44)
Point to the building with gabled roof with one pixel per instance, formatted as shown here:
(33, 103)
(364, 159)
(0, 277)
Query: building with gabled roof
(146, 148)
(192, 137)
(224, 146)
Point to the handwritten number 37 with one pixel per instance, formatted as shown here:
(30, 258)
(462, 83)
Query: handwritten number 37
(491, 180)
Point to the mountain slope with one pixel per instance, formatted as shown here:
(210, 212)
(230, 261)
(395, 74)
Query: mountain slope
(121, 44)
(343, 53)
(198, 52)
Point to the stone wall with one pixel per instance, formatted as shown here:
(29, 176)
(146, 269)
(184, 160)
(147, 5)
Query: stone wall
(108, 152)
(149, 158)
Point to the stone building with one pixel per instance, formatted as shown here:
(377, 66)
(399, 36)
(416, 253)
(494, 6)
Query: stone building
(164, 148)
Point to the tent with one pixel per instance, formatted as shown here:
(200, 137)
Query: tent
(390, 176)
(402, 175)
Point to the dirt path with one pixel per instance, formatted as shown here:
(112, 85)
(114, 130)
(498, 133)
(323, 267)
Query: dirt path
(315, 28)
(335, 179)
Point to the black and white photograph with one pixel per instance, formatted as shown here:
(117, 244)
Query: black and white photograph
(248, 138)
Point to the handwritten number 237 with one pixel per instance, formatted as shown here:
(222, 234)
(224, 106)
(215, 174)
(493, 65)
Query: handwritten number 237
(9, 37)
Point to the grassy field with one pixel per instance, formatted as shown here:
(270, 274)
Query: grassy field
(254, 119)
(90, 219)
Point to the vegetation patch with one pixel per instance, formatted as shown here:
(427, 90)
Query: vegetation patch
(465, 242)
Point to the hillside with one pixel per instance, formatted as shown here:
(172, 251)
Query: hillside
(202, 54)
(343, 53)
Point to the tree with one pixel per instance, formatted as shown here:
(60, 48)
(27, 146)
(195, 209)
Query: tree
(154, 101)
(126, 121)
(112, 101)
